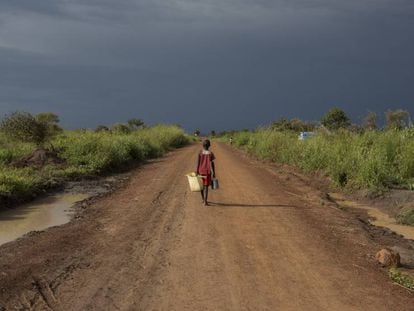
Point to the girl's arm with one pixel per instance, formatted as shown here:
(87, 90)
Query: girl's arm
(213, 167)
(198, 164)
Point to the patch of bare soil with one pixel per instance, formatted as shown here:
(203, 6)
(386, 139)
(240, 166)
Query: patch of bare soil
(269, 240)
(39, 158)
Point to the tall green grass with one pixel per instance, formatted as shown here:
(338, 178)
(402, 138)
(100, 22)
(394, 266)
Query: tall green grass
(370, 159)
(97, 152)
(11, 151)
(83, 153)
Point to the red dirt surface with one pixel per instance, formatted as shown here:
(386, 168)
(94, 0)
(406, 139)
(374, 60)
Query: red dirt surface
(269, 241)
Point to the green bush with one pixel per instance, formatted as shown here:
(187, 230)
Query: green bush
(24, 127)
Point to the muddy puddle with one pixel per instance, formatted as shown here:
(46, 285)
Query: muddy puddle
(378, 218)
(38, 215)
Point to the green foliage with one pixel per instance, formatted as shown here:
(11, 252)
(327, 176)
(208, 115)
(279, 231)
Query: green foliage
(11, 150)
(335, 119)
(23, 182)
(85, 153)
(401, 278)
(22, 126)
(96, 152)
(406, 217)
(135, 124)
(120, 128)
(51, 121)
(294, 125)
(356, 160)
(48, 117)
(101, 128)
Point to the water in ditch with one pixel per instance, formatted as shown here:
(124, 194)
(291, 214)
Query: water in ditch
(378, 217)
(38, 215)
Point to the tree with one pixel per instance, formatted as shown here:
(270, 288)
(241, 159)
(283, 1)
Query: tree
(135, 123)
(213, 133)
(23, 126)
(121, 128)
(197, 132)
(298, 125)
(295, 125)
(370, 121)
(101, 128)
(51, 121)
(48, 117)
(335, 119)
(397, 119)
(282, 124)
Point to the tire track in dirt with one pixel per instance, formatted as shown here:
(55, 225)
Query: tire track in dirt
(140, 250)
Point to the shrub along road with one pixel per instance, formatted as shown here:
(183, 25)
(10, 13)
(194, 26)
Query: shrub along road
(266, 243)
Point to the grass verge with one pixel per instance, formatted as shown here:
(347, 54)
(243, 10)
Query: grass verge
(373, 159)
(84, 153)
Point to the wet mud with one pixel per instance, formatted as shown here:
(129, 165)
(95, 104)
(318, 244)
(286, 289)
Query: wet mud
(377, 217)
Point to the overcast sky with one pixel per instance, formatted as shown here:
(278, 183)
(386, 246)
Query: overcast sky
(209, 64)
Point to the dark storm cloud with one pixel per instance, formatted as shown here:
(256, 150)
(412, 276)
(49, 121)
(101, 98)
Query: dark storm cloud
(239, 63)
(48, 7)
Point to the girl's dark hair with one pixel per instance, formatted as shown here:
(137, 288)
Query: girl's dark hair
(206, 143)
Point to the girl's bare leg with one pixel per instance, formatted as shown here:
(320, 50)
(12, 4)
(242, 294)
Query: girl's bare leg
(202, 195)
(205, 195)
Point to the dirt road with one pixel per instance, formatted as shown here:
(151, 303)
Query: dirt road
(268, 242)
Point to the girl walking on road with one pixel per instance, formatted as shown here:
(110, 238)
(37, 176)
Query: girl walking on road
(206, 168)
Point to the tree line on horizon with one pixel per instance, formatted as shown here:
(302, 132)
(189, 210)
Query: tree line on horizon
(42, 127)
(336, 119)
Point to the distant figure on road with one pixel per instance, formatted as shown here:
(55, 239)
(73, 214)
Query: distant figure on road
(231, 140)
(206, 168)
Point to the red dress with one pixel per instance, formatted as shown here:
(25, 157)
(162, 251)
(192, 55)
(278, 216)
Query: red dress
(204, 166)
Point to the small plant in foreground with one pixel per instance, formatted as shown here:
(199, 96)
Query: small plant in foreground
(406, 217)
(401, 278)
